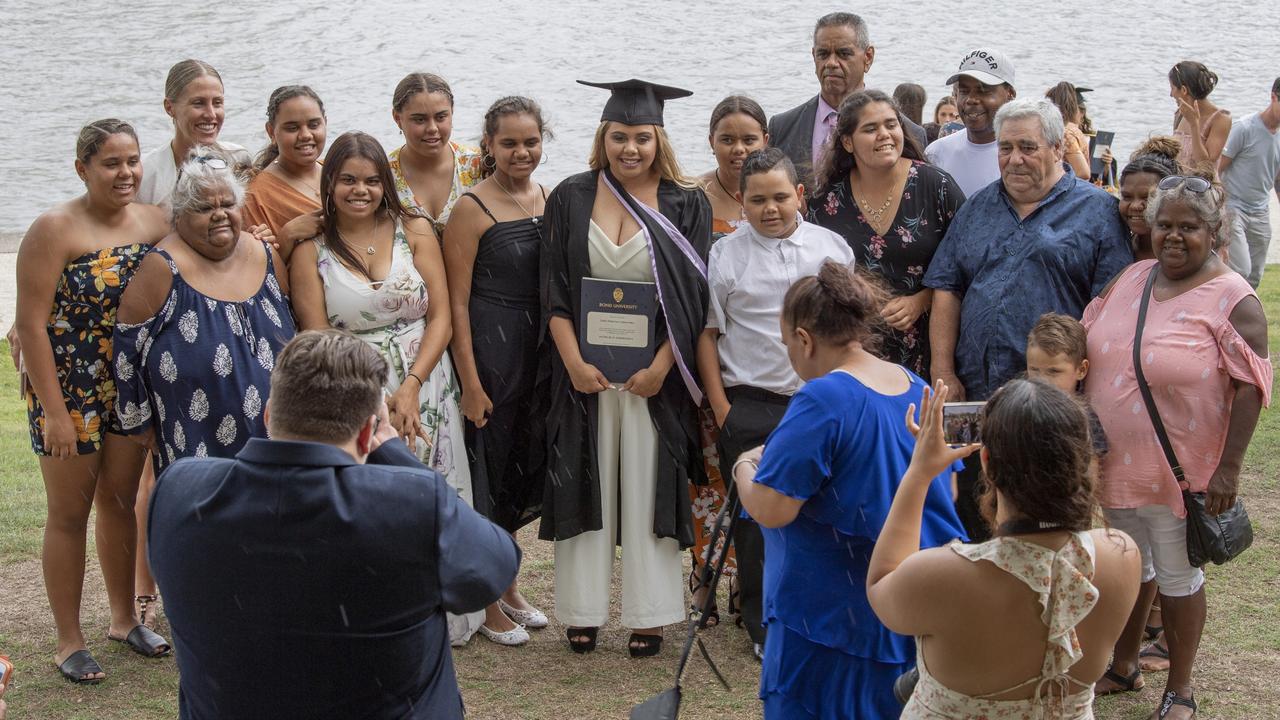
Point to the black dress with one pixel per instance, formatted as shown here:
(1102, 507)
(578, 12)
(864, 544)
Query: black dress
(571, 501)
(508, 457)
(901, 256)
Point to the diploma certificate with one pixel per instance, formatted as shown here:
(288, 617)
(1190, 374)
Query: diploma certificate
(616, 326)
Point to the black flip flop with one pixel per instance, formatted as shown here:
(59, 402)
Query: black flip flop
(77, 665)
(144, 641)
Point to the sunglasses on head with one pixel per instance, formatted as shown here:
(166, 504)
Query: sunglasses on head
(212, 161)
(1193, 183)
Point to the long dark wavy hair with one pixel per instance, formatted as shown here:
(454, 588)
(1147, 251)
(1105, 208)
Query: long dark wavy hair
(837, 162)
(1039, 450)
(356, 145)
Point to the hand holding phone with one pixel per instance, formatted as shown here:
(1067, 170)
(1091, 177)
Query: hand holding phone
(962, 422)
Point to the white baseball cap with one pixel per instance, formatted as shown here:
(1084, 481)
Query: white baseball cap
(989, 67)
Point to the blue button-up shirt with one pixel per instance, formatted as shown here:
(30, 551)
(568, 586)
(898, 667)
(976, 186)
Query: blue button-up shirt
(1010, 270)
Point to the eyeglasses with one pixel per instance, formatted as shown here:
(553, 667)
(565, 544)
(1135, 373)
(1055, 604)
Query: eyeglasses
(1194, 184)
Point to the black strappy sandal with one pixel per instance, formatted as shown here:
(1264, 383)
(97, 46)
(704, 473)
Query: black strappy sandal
(582, 647)
(145, 603)
(639, 645)
(1132, 683)
(713, 612)
(1172, 698)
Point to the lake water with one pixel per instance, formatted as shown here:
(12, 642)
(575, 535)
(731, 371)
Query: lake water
(65, 64)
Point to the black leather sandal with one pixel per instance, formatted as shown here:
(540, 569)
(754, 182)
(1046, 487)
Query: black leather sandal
(77, 665)
(144, 641)
(582, 647)
(1172, 698)
(1132, 683)
(644, 645)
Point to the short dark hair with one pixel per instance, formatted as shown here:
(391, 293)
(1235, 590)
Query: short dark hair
(325, 385)
(845, 19)
(1039, 452)
(1059, 334)
(763, 161)
(1275, 87)
(910, 98)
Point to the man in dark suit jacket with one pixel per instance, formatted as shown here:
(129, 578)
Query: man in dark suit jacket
(309, 576)
(842, 56)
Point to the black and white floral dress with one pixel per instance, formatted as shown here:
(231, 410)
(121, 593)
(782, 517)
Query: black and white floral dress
(901, 255)
(198, 372)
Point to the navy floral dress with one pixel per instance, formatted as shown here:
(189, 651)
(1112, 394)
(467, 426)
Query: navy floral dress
(900, 256)
(80, 327)
(198, 372)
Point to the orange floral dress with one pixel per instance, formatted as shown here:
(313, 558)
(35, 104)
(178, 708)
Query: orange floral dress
(80, 326)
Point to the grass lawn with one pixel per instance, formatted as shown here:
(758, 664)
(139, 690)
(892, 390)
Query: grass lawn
(1235, 675)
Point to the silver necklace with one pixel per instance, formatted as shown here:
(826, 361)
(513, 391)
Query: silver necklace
(370, 250)
(535, 219)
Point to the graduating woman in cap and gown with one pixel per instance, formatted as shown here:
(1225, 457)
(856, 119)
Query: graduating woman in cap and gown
(621, 454)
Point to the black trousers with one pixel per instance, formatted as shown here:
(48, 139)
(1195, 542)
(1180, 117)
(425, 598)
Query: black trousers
(753, 415)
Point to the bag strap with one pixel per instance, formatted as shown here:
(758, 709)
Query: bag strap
(1145, 389)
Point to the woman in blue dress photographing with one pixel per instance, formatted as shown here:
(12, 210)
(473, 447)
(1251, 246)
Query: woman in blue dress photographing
(821, 488)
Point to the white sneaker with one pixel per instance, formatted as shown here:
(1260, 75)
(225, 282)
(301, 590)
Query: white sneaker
(515, 636)
(529, 618)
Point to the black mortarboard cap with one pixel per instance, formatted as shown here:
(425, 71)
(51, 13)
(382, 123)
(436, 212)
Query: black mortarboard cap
(636, 102)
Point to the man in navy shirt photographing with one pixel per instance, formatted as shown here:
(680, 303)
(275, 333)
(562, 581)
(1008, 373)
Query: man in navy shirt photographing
(310, 575)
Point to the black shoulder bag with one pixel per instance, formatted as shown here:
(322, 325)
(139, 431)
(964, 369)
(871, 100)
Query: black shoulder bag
(1209, 538)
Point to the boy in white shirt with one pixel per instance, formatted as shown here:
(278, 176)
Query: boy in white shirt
(743, 364)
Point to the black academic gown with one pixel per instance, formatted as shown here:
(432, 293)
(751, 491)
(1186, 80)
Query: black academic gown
(571, 501)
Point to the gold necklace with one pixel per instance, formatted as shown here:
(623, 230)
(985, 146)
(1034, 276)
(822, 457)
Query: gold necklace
(315, 191)
(877, 214)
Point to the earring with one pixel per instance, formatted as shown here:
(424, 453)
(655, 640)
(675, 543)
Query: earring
(543, 159)
(488, 162)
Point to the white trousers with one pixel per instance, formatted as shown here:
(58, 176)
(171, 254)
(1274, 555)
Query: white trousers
(652, 574)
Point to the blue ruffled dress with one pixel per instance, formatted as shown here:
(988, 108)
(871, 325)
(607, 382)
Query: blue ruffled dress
(842, 448)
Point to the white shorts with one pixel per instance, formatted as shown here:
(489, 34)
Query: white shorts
(1162, 539)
